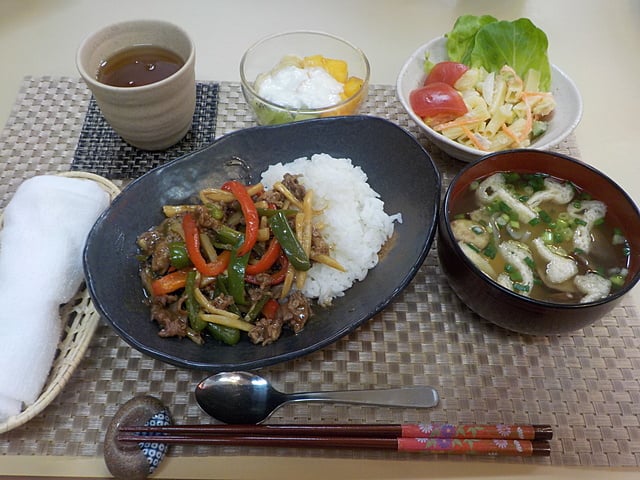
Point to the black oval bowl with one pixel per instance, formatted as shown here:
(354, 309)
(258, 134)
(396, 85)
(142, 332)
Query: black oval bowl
(398, 168)
(504, 307)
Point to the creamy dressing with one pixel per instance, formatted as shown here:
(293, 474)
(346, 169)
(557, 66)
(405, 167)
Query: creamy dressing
(296, 87)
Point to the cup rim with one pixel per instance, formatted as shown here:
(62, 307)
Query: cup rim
(91, 80)
(304, 111)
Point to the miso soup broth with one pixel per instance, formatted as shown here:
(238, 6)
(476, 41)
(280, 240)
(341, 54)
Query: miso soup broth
(541, 237)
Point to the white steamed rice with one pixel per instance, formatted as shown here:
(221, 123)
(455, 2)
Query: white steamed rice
(353, 218)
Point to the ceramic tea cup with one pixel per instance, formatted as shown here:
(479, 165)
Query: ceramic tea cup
(151, 116)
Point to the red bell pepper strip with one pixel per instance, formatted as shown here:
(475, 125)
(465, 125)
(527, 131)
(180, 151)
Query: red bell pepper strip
(270, 308)
(251, 217)
(169, 283)
(268, 259)
(276, 277)
(192, 241)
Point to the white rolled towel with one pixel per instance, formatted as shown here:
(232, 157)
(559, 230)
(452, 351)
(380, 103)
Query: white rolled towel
(45, 228)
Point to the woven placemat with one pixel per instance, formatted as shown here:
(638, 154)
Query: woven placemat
(101, 151)
(586, 384)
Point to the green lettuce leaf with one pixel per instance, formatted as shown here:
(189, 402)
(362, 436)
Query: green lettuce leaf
(480, 42)
(461, 39)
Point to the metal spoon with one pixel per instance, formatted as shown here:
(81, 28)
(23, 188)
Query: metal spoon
(245, 398)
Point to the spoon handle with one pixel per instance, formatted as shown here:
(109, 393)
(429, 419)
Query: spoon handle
(410, 397)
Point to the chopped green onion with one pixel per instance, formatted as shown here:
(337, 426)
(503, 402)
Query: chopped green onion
(547, 237)
(514, 274)
(472, 247)
(511, 177)
(504, 207)
(490, 251)
(545, 217)
(617, 280)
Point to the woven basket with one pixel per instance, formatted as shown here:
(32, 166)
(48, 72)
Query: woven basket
(80, 320)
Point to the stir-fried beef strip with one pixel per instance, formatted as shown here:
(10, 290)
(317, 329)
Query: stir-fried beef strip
(293, 314)
(167, 311)
(296, 311)
(204, 218)
(266, 331)
(292, 184)
(155, 244)
(273, 197)
(318, 244)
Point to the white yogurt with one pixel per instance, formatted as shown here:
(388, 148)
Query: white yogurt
(296, 87)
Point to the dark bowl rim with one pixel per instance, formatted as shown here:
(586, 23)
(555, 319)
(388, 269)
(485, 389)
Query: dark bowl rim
(444, 222)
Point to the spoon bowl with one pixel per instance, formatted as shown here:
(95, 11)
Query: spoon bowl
(246, 398)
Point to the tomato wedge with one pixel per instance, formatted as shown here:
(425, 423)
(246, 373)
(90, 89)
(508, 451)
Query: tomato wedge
(446, 72)
(437, 103)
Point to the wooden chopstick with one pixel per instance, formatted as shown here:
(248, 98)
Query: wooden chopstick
(427, 430)
(458, 446)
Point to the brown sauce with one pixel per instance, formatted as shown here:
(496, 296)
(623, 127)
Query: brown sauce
(139, 65)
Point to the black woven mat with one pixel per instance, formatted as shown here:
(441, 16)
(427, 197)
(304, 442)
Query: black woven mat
(100, 149)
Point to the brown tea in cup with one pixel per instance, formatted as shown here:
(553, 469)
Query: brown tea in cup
(139, 65)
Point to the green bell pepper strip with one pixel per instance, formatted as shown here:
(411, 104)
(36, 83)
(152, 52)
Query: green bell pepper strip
(222, 288)
(225, 334)
(215, 211)
(228, 235)
(288, 242)
(178, 255)
(235, 276)
(255, 310)
(191, 303)
(270, 212)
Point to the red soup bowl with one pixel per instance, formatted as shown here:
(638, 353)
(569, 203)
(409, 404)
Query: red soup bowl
(501, 305)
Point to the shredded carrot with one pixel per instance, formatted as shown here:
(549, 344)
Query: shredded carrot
(511, 134)
(536, 94)
(458, 122)
(472, 137)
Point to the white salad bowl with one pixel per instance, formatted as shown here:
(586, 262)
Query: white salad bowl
(564, 120)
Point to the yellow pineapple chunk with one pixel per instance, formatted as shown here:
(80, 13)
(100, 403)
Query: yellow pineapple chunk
(313, 61)
(337, 69)
(352, 85)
